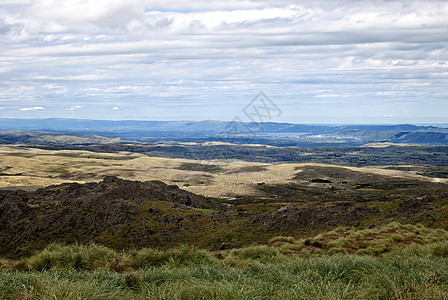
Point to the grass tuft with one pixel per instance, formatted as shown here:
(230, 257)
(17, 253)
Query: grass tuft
(78, 257)
(182, 256)
(390, 268)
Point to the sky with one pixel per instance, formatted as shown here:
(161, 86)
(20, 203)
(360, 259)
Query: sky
(318, 61)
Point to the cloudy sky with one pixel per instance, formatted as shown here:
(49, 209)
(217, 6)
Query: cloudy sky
(319, 61)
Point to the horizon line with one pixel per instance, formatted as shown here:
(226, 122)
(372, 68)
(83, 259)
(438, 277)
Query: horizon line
(229, 121)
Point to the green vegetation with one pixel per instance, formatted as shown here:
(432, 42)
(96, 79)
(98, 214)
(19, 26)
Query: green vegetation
(374, 241)
(245, 169)
(125, 215)
(413, 268)
(341, 155)
(200, 167)
(284, 231)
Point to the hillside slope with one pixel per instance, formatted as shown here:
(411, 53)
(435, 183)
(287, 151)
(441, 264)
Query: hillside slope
(89, 212)
(124, 214)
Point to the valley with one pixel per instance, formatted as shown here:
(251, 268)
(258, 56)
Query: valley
(82, 204)
(257, 200)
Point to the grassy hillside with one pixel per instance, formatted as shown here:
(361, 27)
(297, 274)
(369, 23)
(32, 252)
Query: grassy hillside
(257, 201)
(50, 138)
(125, 214)
(414, 266)
(223, 229)
(29, 168)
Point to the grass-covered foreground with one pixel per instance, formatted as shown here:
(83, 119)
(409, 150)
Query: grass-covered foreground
(409, 262)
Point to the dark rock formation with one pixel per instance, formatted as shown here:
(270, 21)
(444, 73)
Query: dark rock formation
(83, 212)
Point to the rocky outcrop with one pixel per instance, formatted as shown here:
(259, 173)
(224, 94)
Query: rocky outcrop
(81, 212)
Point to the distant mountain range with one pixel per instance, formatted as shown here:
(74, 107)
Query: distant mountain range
(281, 134)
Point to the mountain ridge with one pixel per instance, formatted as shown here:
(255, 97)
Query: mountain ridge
(270, 133)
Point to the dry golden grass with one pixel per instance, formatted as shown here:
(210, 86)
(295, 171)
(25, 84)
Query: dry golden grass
(33, 167)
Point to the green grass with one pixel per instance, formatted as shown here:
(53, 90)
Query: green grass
(282, 270)
(267, 207)
(336, 277)
(200, 167)
(374, 242)
(182, 256)
(78, 257)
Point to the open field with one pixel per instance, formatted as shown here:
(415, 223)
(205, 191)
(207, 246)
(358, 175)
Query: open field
(30, 168)
(256, 200)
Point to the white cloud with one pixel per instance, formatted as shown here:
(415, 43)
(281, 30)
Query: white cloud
(51, 86)
(126, 87)
(73, 108)
(115, 108)
(391, 93)
(218, 54)
(327, 96)
(56, 88)
(31, 108)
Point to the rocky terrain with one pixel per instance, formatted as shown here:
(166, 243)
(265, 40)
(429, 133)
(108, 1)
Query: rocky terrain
(125, 214)
(84, 213)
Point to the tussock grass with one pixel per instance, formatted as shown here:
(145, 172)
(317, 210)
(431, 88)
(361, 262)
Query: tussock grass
(375, 241)
(182, 256)
(263, 254)
(316, 277)
(93, 257)
(288, 269)
(281, 240)
(63, 284)
(79, 257)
